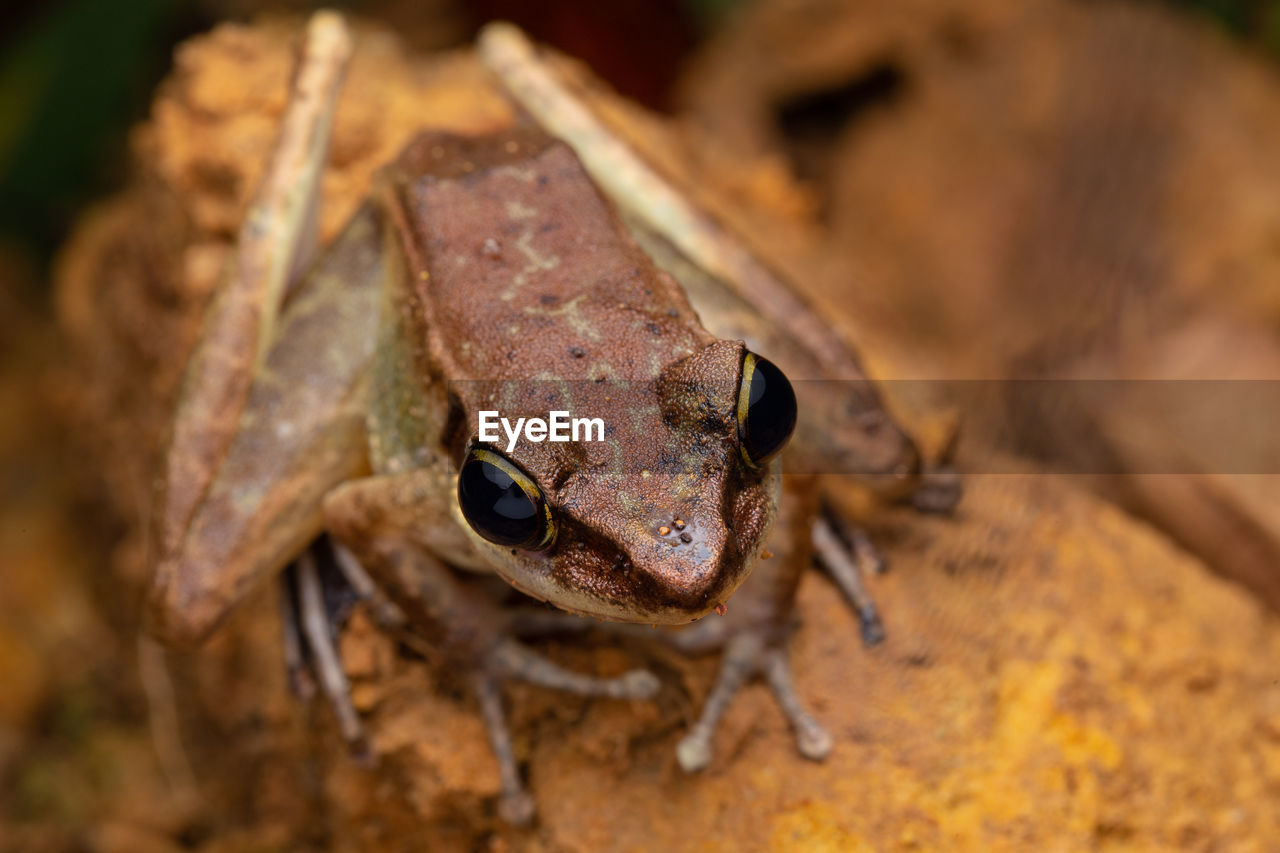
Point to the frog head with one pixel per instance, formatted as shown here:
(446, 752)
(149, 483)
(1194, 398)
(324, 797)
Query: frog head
(662, 519)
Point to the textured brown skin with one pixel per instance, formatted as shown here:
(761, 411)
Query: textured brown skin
(529, 295)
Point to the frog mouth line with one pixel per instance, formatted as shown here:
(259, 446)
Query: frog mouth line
(621, 589)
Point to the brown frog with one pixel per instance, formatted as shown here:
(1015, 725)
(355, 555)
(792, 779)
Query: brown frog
(340, 398)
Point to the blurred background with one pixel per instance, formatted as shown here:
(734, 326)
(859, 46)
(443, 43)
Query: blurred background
(979, 191)
(76, 74)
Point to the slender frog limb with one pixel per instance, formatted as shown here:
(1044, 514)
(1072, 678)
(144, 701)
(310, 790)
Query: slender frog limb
(300, 679)
(313, 606)
(843, 565)
(272, 404)
(384, 611)
(860, 547)
(317, 630)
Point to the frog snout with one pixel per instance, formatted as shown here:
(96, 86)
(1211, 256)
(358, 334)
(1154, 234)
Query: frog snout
(689, 566)
(667, 554)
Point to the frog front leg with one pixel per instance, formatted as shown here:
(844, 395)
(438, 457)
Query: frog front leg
(755, 631)
(401, 529)
(317, 592)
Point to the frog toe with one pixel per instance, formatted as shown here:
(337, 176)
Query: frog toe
(694, 752)
(812, 740)
(940, 490)
(512, 659)
(746, 655)
(847, 557)
(639, 684)
(518, 808)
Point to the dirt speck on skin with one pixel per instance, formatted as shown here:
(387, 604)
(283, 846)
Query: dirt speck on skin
(1055, 673)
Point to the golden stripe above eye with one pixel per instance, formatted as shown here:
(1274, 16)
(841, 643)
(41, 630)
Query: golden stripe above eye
(507, 467)
(744, 402)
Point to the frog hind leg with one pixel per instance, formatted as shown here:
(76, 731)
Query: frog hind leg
(394, 526)
(271, 413)
(191, 589)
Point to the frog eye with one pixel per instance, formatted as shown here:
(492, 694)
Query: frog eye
(502, 503)
(766, 410)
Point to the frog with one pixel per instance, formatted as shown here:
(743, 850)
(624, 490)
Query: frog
(331, 410)
(845, 427)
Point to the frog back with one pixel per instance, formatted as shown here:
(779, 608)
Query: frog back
(522, 270)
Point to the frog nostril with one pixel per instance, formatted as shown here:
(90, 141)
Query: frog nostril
(690, 571)
(675, 532)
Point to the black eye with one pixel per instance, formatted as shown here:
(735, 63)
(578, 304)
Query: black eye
(502, 503)
(766, 409)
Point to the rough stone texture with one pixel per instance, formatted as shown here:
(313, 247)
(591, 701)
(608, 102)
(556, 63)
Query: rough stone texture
(1057, 674)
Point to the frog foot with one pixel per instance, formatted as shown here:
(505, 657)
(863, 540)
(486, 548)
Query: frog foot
(940, 490)
(756, 644)
(748, 653)
(326, 580)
